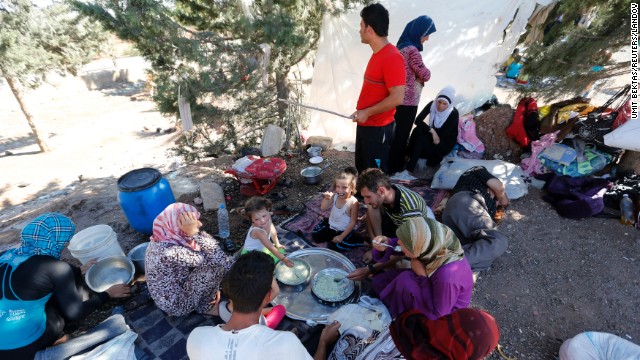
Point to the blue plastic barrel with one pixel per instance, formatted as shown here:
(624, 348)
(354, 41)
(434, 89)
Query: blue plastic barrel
(143, 194)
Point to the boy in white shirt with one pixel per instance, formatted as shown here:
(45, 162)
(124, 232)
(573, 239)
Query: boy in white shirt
(250, 286)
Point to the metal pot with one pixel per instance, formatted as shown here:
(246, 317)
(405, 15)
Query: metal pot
(314, 151)
(137, 255)
(312, 174)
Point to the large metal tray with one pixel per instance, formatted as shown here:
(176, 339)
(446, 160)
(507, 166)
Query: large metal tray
(299, 300)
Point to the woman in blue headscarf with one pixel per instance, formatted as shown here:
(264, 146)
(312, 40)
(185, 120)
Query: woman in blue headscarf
(414, 35)
(40, 292)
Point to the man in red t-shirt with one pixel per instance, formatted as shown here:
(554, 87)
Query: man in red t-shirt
(382, 90)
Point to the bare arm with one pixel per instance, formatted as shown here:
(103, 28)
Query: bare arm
(326, 200)
(328, 337)
(395, 98)
(499, 191)
(264, 239)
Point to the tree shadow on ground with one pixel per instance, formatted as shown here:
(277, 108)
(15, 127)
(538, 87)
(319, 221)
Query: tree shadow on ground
(16, 143)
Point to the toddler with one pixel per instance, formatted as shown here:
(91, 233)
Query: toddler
(262, 235)
(338, 229)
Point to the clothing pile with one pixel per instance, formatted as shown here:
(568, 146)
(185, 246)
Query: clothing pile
(568, 138)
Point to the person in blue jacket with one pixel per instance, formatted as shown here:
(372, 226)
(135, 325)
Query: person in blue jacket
(40, 292)
(513, 71)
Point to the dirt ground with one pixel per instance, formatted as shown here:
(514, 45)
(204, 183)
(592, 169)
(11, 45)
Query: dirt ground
(559, 277)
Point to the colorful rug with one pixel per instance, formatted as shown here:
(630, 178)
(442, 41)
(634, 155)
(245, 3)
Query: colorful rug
(303, 223)
(165, 337)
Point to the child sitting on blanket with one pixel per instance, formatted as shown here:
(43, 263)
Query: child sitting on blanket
(262, 235)
(337, 231)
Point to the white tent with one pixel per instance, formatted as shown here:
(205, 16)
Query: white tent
(472, 39)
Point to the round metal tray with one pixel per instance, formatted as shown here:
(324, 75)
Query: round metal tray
(299, 301)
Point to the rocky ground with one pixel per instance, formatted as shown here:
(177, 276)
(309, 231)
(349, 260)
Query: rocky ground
(559, 277)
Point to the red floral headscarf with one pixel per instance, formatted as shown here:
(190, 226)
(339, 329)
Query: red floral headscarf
(465, 334)
(166, 228)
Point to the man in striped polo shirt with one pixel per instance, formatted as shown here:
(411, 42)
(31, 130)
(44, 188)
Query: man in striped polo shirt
(388, 206)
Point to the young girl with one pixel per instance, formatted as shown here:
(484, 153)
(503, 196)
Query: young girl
(262, 235)
(338, 229)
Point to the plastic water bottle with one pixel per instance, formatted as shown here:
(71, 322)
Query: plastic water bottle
(223, 222)
(626, 210)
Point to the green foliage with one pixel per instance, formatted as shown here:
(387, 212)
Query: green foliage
(564, 63)
(34, 40)
(212, 53)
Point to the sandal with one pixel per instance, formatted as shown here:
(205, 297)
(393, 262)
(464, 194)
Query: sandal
(277, 196)
(284, 210)
(285, 182)
(137, 301)
(228, 245)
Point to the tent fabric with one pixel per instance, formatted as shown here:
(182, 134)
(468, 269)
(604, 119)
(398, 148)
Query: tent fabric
(625, 136)
(473, 38)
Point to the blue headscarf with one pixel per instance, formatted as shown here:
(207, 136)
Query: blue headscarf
(415, 30)
(48, 234)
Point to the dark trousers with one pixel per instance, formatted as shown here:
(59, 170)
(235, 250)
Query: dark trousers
(373, 144)
(405, 115)
(421, 146)
(324, 233)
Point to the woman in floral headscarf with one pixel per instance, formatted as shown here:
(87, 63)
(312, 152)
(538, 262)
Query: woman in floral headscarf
(440, 280)
(184, 266)
(40, 292)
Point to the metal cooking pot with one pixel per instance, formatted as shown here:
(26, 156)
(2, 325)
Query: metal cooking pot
(311, 174)
(314, 151)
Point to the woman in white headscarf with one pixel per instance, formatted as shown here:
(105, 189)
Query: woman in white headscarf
(436, 138)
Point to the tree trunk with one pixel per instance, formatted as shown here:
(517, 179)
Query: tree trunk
(282, 91)
(18, 95)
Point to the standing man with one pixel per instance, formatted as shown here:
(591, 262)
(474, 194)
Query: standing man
(382, 90)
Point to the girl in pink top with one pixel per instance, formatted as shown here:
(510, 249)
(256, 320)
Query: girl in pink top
(410, 45)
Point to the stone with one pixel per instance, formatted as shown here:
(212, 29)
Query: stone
(212, 195)
(491, 128)
(324, 142)
(181, 185)
(272, 140)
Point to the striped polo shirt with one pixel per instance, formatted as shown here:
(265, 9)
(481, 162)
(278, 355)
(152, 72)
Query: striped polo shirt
(407, 204)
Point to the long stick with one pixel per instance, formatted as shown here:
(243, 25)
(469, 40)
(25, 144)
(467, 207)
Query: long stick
(314, 108)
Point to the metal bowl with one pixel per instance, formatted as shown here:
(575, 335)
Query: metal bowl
(326, 288)
(316, 160)
(314, 151)
(136, 255)
(294, 276)
(311, 175)
(109, 271)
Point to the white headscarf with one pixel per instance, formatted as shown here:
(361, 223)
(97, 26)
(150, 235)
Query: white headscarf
(437, 118)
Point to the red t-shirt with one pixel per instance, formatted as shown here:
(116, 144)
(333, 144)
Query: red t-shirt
(384, 71)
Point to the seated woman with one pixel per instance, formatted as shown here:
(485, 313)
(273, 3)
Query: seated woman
(435, 139)
(440, 279)
(184, 266)
(40, 292)
(465, 334)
